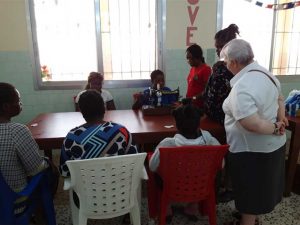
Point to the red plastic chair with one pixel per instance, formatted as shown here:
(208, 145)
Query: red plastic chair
(188, 174)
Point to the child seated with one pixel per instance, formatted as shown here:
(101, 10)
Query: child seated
(149, 98)
(95, 81)
(187, 119)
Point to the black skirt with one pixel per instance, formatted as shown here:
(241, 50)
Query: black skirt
(257, 180)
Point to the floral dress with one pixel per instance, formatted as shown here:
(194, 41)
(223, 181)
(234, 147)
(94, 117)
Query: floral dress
(216, 91)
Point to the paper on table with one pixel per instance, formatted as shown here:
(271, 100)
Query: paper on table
(169, 126)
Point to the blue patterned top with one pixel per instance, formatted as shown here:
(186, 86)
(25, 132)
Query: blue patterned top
(86, 142)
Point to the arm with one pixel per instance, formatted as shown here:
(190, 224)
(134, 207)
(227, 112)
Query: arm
(254, 123)
(138, 101)
(110, 105)
(281, 111)
(204, 78)
(63, 168)
(77, 107)
(108, 100)
(154, 161)
(28, 152)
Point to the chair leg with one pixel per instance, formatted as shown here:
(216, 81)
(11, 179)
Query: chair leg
(48, 205)
(211, 210)
(74, 209)
(82, 219)
(163, 210)
(135, 215)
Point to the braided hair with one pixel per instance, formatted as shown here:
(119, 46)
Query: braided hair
(187, 118)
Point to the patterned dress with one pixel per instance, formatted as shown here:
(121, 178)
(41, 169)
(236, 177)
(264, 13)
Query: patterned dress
(86, 142)
(216, 91)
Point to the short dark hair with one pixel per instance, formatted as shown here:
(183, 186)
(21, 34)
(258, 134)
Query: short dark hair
(156, 73)
(187, 118)
(7, 94)
(196, 51)
(91, 105)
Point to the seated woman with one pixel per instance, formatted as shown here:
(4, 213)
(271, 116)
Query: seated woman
(95, 81)
(96, 138)
(19, 155)
(187, 119)
(148, 98)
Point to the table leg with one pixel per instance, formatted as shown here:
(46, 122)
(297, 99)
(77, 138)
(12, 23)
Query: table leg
(291, 164)
(48, 153)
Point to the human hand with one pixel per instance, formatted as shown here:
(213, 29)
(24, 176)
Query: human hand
(284, 120)
(138, 96)
(279, 128)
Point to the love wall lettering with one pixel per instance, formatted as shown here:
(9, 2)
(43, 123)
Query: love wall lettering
(193, 11)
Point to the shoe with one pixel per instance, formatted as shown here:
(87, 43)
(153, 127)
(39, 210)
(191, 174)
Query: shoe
(225, 196)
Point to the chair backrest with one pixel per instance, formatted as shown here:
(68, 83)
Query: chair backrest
(107, 186)
(188, 172)
(37, 191)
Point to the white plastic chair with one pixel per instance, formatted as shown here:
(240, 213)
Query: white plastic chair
(106, 187)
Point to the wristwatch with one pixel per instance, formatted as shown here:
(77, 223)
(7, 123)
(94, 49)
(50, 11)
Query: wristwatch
(276, 128)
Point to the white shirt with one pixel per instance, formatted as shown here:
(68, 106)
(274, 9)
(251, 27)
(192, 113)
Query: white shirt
(252, 92)
(179, 140)
(104, 94)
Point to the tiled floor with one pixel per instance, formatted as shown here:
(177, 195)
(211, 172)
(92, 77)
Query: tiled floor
(286, 213)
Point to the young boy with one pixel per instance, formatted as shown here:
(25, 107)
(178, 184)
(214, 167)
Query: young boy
(157, 83)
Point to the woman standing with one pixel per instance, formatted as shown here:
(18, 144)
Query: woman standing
(198, 76)
(218, 86)
(256, 137)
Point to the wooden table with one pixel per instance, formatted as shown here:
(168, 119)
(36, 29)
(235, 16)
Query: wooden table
(291, 165)
(50, 129)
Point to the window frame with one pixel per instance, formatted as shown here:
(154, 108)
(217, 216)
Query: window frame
(281, 78)
(39, 84)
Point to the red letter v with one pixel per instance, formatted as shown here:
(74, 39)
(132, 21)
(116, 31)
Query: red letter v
(193, 15)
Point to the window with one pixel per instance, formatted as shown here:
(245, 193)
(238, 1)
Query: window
(118, 38)
(273, 34)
